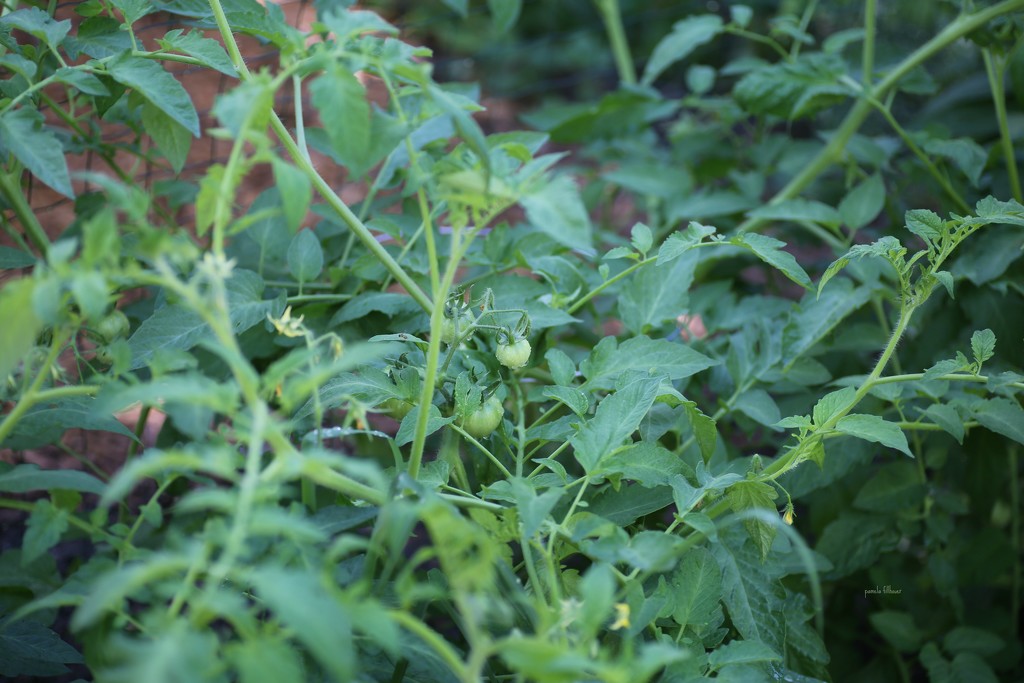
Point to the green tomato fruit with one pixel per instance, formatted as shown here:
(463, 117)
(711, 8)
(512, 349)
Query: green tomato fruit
(453, 328)
(514, 355)
(484, 419)
(114, 326)
(397, 408)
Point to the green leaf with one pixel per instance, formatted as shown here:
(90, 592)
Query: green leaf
(573, 398)
(641, 238)
(832, 403)
(468, 129)
(896, 486)
(556, 209)
(817, 317)
(45, 423)
(696, 587)
(309, 610)
(741, 15)
(753, 597)
(563, 370)
(647, 464)
(759, 406)
(133, 10)
(863, 203)
(28, 648)
(654, 296)
(305, 256)
(460, 7)
(925, 224)
(38, 23)
(741, 652)
(178, 327)
(898, 629)
(15, 258)
(966, 154)
(983, 345)
(755, 495)
(28, 477)
(990, 254)
(948, 418)
(345, 112)
(296, 193)
(504, 14)
(171, 138)
(792, 89)
(609, 360)
(391, 304)
(266, 660)
(18, 333)
(532, 509)
(874, 428)
(23, 134)
(617, 417)
(974, 640)
(43, 530)
(407, 430)
(799, 210)
(678, 243)
(704, 431)
(888, 248)
(946, 367)
(629, 503)
(82, 80)
(191, 387)
(1002, 416)
(769, 250)
(207, 50)
(348, 23)
(686, 36)
(163, 90)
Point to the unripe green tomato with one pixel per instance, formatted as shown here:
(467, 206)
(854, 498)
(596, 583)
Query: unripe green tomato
(114, 326)
(104, 356)
(514, 355)
(453, 328)
(397, 408)
(485, 419)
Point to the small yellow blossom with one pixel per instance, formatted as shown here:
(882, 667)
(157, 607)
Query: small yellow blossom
(788, 516)
(621, 616)
(286, 325)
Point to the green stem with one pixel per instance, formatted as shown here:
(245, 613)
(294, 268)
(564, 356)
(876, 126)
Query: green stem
(300, 126)
(758, 38)
(1015, 542)
(836, 147)
(955, 377)
(321, 185)
(932, 169)
(795, 456)
(581, 302)
(31, 395)
(995, 68)
(436, 643)
(74, 520)
(611, 14)
(868, 54)
(30, 224)
(480, 447)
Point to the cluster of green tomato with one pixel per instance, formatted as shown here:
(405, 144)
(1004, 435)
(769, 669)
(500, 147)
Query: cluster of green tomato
(513, 352)
(109, 329)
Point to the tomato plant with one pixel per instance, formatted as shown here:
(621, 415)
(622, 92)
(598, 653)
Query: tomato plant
(713, 373)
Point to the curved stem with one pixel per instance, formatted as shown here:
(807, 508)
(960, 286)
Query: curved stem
(995, 68)
(836, 146)
(611, 14)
